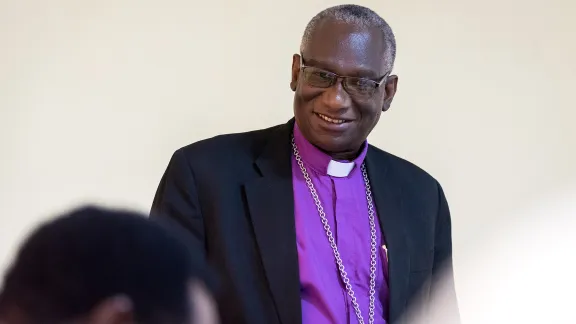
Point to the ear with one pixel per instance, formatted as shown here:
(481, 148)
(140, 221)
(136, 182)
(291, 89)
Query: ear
(114, 310)
(295, 71)
(390, 89)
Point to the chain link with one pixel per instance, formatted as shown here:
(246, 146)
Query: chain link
(330, 236)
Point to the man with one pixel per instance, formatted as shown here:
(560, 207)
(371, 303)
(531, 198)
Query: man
(97, 266)
(302, 219)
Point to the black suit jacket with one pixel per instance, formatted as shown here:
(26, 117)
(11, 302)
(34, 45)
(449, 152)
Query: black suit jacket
(233, 195)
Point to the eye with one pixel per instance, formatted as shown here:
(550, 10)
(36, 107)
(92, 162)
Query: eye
(319, 78)
(322, 75)
(363, 83)
(361, 86)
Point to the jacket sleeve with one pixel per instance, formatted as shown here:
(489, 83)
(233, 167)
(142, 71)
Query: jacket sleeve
(176, 201)
(443, 292)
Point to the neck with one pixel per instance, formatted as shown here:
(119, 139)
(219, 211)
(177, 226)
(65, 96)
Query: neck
(345, 156)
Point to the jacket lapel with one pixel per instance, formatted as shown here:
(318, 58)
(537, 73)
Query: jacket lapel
(387, 196)
(271, 205)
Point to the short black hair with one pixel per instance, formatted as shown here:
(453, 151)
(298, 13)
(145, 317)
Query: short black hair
(69, 265)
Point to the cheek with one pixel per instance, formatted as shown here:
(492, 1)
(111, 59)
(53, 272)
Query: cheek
(304, 100)
(370, 117)
(376, 118)
(370, 111)
(308, 93)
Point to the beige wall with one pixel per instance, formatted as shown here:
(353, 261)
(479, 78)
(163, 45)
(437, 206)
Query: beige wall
(96, 95)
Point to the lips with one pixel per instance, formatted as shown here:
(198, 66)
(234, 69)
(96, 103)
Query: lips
(332, 120)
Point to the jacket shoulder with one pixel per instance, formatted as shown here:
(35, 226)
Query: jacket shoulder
(404, 170)
(420, 189)
(227, 147)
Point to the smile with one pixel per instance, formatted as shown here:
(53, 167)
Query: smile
(331, 120)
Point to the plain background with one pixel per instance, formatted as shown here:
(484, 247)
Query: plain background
(96, 95)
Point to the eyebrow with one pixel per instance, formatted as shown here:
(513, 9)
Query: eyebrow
(362, 73)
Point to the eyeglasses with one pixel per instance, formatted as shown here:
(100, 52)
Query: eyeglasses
(355, 86)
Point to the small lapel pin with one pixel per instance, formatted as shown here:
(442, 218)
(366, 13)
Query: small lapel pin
(385, 252)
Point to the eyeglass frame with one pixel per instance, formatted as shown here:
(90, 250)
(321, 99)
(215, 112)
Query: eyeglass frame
(337, 76)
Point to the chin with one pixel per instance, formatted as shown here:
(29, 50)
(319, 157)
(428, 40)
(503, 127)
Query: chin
(330, 145)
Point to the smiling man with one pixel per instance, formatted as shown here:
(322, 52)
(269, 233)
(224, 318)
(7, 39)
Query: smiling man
(306, 221)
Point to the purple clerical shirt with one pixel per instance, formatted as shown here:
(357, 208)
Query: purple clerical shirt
(340, 187)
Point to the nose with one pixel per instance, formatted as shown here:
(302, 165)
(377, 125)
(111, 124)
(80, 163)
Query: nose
(336, 97)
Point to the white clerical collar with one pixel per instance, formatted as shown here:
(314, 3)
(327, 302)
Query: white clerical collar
(323, 163)
(339, 169)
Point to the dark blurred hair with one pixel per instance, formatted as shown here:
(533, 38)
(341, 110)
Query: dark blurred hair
(69, 265)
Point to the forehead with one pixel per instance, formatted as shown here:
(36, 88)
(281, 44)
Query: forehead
(346, 49)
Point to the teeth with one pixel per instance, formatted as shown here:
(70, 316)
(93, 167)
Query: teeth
(331, 120)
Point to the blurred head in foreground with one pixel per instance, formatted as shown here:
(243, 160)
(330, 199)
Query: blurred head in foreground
(96, 266)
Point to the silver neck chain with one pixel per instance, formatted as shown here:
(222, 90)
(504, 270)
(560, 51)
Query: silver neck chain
(338, 259)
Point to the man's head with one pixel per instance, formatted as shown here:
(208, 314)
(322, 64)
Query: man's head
(100, 266)
(337, 114)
